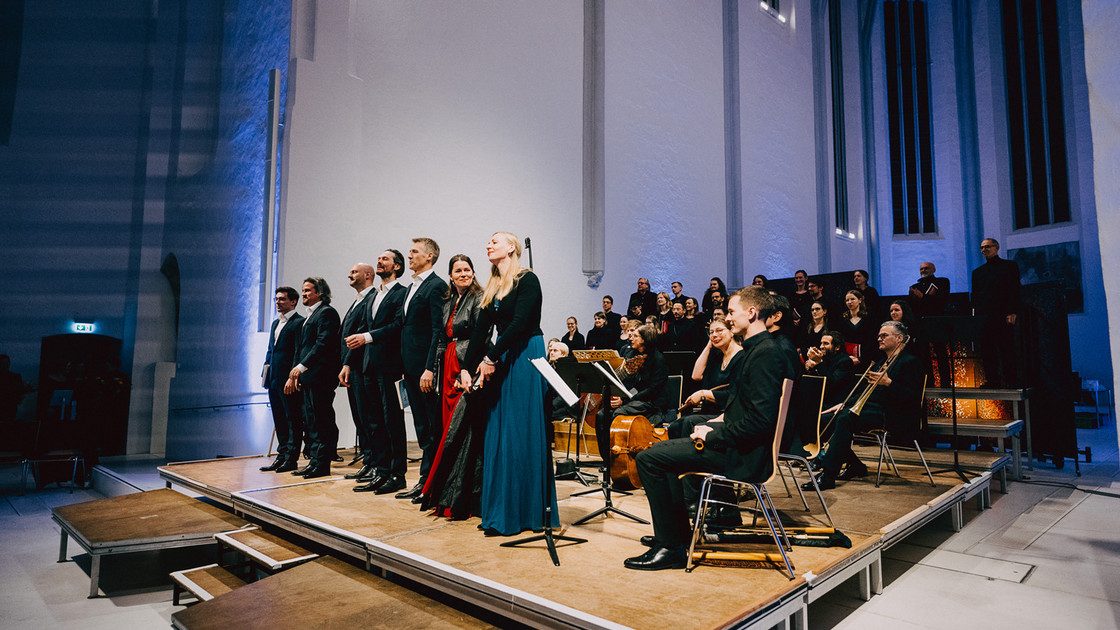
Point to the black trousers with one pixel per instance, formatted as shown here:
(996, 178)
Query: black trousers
(287, 418)
(844, 426)
(426, 420)
(997, 352)
(659, 466)
(385, 433)
(359, 400)
(318, 413)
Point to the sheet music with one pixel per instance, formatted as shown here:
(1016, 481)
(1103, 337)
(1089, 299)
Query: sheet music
(555, 381)
(614, 380)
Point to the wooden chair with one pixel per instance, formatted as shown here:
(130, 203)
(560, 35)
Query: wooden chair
(809, 401)
(764, 503)
(879, 437)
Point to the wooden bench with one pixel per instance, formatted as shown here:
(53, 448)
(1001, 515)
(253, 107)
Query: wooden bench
(269, 552)
(204, 583)
(998, 428)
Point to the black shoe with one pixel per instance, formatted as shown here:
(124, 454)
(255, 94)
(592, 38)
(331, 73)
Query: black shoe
(852, 471)
(657, 559)
(648, 541)
(825, 481)
(357, 458)
(392, 484)
(337, 458)
(365, 471)
(320, 470)
(279, 461)
(414, 491)
(374, 484)
(311, 465)
(724, 517)
(418, 499)
(287, 467)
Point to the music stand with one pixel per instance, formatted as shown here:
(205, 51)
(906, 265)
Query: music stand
(601, 380)
(550, 539)
(582, 378)
(949, 329)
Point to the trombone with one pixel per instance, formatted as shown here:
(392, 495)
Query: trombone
(856, 407)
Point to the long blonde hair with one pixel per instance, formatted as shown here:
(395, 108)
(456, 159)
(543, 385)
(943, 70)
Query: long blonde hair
(499, 285)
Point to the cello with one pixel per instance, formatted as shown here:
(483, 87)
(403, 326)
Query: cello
(629, 436)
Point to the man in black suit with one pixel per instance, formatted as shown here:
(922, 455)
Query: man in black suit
(643, 302)
(421, 318)
(287, 413)
(736, 444)
(929, 296)
(678, 293)
(614, 320)
(995, 298)
(895, 404)
(361, 280)
(316, 375)
(383, 442)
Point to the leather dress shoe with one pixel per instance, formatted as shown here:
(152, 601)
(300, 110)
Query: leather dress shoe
(414, 491)
(392, 484)
(724, 517)
(374, 484)
(648, 541)
(825, 481)
(311, 465)
(658, 558)
(279, 461)
(365, 471)
(357, 458)
(852, 471)
(320, 470)
(337, 458)
(418, 499)
(287, 466)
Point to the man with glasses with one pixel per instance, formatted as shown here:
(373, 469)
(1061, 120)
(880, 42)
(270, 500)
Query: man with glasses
(995, 298)
(894, 405)
(287, 415)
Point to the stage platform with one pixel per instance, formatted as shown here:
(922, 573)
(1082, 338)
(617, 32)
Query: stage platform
(590, 589)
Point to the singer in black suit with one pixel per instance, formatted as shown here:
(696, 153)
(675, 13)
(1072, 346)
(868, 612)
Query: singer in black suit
(287, 412)
(995, 298)
(383, 452)
(420, 321)
(354, 322)
(316, 375)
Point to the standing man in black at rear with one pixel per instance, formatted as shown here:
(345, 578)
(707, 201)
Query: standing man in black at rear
(361, 280)
(316, 375)
(995, 298)
(287, 412)
(420, 321)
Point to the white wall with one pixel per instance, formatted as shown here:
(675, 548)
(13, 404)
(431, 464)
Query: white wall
(1102, 58)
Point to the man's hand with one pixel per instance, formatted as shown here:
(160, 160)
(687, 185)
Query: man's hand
(344, 376)
(426, 380)
(465, 380)
(1011, 319)
(292, 384)
(616, 402)
(701, 432)
(355, 341)
(879, 378)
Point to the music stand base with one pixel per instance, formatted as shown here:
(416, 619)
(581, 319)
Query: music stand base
(550, 540)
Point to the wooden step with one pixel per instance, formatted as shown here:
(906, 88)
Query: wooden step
(205, 583)
(270, 552)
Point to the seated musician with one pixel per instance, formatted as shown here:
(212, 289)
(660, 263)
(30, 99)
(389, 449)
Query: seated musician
(893, 405)
(738, 447)
(713, 368)
(646, 372)
(831, 361)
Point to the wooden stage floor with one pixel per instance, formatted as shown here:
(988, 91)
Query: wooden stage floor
(590, 589)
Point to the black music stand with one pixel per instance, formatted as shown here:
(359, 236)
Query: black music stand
(547, 536)
(608, 387)
(949, 329)
(583, 379)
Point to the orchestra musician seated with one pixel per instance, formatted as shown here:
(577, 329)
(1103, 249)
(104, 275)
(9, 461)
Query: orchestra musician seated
(646, 373)
(738, 447)
(713, 369)
(892, 404)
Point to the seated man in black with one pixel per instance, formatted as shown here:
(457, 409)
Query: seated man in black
(646, 373)
(830, 361)
(894, 404)
(738, 447)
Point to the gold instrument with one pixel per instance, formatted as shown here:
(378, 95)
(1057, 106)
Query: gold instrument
(861, 400)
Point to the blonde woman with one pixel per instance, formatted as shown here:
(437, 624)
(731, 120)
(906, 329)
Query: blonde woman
(515, 455)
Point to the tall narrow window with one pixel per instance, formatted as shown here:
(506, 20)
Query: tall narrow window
(839, 154)
(908, 116)
(1035, 116)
